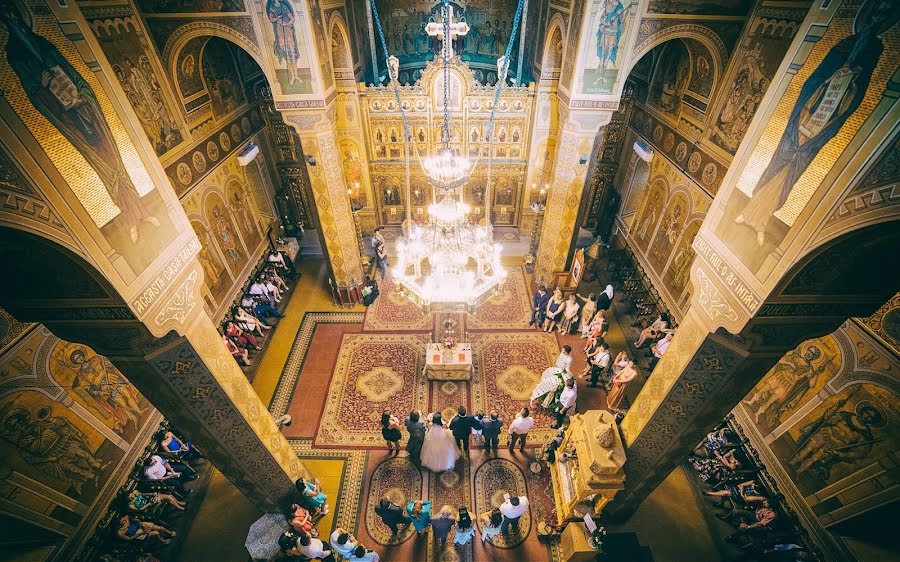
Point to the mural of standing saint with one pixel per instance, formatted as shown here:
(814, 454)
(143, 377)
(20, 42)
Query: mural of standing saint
(67, 101)
(104, 388)
(827, 99)
(283, 16)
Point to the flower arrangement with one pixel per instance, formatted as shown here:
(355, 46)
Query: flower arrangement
(596, 539)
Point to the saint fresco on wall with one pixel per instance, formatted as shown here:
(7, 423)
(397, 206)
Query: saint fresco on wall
(125, 52)
(840, 74)
(223, 82)
(604, 57)
(135, 223)
(801, 373)
(671, 79)
(291, 56)
(59, 403)
(741, 100)
(843, 434)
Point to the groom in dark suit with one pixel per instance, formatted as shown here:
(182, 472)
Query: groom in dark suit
(461, 426)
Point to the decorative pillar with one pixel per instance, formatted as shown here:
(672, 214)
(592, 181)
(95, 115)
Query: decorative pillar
(574, 148)
(318, 139)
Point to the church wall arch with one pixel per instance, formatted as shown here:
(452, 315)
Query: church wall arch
(554, 49)
(341, 58)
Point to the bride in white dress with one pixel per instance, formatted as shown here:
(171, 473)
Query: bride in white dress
(439, 452)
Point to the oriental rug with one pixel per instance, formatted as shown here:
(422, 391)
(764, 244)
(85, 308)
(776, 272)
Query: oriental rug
(450, 488)
(508, 367)
(510, 310)
(393, 312)
(401, 481)
(493, 479)
(373, 372)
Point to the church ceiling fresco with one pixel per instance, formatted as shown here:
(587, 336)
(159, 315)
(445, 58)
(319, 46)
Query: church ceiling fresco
(194, 166)
(191, 6)
(490, 24)
(826, 103)
(60, 100)
(700, 7)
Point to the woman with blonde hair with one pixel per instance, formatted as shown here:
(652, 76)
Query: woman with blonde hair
(442, 523)
(570, 315)
(617, 395)
(554, 310)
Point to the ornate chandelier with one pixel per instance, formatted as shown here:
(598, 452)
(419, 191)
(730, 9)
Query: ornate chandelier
(449, 261)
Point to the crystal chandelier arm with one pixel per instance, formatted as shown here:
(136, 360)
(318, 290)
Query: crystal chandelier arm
(489, 133)
(444, 55)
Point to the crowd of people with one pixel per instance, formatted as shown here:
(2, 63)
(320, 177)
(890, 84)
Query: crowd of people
(738, 491)
(257, 310)
(144, 516)
(302, 539)
(418, 513)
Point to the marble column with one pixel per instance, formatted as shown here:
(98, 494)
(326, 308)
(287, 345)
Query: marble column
(576, 141)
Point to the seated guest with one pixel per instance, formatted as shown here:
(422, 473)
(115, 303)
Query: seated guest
(343, 542)
(362, 554)
(301, 521)
(272, 288)
(714, 470)
(745, 490)
(176, 473)
(277, 280)
(654, 330)
(173, 445)
(280, 261)
(659, 349)
(241, 338)
(751, 521)
(263, 308)
(596, 330)
(139, 501)
(247, 321)
(133, 529)
(242, 356)
(313, 495)
(259, 291)
(314, 548)
(539, 306)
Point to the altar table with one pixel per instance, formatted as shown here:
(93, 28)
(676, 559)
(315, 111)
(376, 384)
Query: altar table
(442, 364)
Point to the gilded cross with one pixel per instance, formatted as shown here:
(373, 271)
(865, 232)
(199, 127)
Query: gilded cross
(456, 29)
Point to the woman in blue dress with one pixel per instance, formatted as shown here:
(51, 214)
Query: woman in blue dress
(554, 310)
(419, 512)
(313, 495)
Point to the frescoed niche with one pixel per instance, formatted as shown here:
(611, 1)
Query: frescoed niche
(127, 53)
(670, 81)
(677, 273)
(669, 230)
(232, 232)
(62, 103)
(826, 103)
(221, 78)
(67, 416)
(827, 412)
(649, 213)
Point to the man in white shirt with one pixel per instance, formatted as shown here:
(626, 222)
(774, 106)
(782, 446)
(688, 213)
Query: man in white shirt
(314, 548)
(258, 289)
(512, 509)
(518, 429)
(564, 361)
(659, 349)
(343, 542)
(362, 554)
(566, 402)
(600, 365)
(156, 468)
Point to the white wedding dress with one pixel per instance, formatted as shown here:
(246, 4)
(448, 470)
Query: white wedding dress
(439, 452)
